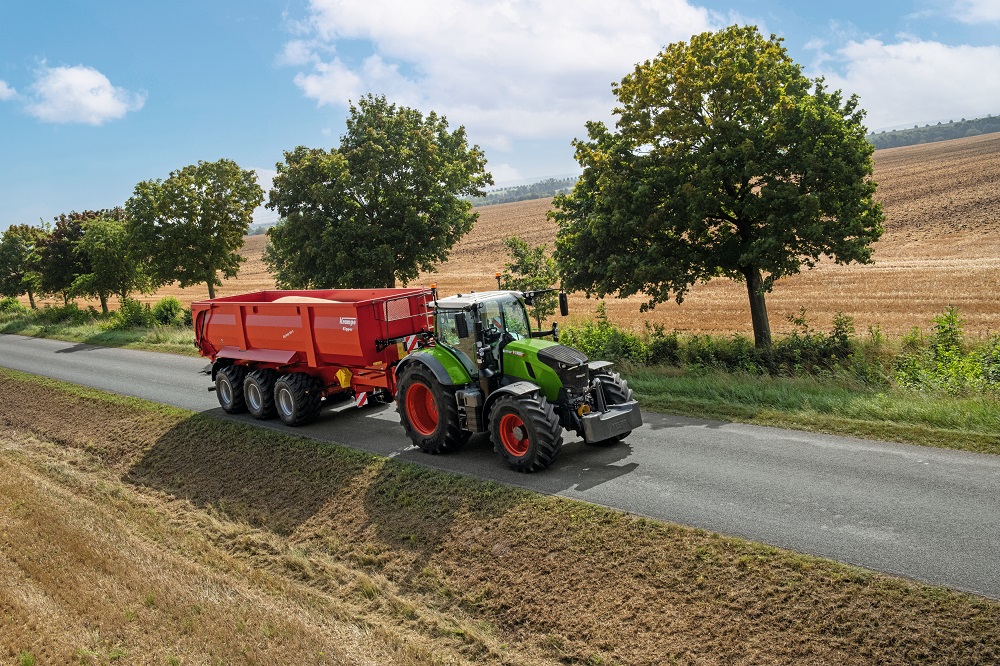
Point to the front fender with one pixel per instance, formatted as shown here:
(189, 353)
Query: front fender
(517, 389)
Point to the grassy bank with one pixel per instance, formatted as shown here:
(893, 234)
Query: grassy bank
(147, 533)
(840, 406)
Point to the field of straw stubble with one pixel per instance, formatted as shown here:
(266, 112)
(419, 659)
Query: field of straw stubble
(941, 247)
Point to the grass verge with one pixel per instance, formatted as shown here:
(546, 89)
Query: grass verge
(169, 339)
(835, 406)
(135, 530)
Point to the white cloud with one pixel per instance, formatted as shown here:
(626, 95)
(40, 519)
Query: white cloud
(916, 81)
(79, 94)
(976, 11)
(506, 69)
(6, 92)
(505, 175)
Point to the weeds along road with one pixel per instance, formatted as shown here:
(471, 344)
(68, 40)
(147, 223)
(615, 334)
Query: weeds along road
(928, 514)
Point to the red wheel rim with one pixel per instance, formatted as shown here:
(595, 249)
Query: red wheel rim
(421, 409)
(514, 435)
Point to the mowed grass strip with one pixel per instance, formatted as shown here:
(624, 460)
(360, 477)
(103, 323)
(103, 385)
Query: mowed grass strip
(166, 530)
(841, 407)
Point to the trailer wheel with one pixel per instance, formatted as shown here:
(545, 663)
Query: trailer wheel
(616, 392)
(297, 398)
(229, 388)
(428, 412)
(258, 392)
(525, 431)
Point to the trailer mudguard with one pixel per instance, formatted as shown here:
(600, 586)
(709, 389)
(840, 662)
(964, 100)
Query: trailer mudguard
(446, 368)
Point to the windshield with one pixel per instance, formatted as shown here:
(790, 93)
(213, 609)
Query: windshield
(505, 312)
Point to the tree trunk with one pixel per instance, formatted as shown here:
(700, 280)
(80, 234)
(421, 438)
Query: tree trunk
(211, 289)
(31, 300)
(104, 303)
(758, 307)
(65, 296)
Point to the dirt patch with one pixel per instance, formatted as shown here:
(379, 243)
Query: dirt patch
(428, 567)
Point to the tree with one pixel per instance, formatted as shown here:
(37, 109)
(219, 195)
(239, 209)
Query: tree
(381, 207)
(111, 254)
(531, 268)
(191, 225)
(59, 264)
(19, 274)
(725, 161)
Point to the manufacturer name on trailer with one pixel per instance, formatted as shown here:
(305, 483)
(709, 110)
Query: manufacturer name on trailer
(348, 321)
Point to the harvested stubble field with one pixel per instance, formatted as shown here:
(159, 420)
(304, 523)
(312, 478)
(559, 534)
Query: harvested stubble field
(941, 247)
(140, 534)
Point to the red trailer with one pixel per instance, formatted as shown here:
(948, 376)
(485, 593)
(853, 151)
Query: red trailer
(284, 351)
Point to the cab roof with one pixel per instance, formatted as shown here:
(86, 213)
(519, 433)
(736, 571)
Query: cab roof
(467, 300)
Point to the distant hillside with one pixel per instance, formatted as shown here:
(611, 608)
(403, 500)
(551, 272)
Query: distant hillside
(932, 133)
(540, 190)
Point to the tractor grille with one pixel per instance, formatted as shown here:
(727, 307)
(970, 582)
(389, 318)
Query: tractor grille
(569, 365)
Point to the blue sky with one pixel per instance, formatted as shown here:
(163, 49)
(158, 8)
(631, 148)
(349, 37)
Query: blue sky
(97, 96)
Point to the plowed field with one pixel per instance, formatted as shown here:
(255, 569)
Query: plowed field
(941, 247)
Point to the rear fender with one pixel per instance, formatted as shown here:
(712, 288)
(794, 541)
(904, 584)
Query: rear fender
(445, 367)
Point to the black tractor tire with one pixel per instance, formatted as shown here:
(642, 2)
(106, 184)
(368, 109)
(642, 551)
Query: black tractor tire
(258, 393)
(616, 392)
(229, 388)
(525, 432)
(429, 412)
(297, 398)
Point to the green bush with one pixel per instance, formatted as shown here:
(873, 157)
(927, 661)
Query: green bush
(11, 305)
(64, 315)
(187, 319)
(942, 361)
(131, 314)
(168, 311)
(600, 339)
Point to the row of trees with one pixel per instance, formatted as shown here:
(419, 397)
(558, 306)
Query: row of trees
(725, 161)
(939, 132)
(186, 229)
(538, 190)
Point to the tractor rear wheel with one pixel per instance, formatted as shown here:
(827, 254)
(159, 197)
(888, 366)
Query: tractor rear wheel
(525, 431)
(229, 388)
(428, 411)
(297, 398)
(258, 392)
(616, 392)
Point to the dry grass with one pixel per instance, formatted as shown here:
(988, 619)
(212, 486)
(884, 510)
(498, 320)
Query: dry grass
(147, 533)
(941, 247)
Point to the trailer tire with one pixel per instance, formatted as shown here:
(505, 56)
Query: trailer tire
(258, 393)
(525, 431)
(428, 411)
(297, 398)
(616, 392)
(229, 388)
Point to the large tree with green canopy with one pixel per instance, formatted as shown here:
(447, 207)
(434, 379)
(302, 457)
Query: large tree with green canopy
(190, 227)
(19, 262)
(383, 206)
(725, 161)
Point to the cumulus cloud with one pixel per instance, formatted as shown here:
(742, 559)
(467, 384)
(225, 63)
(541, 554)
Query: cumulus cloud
(916, 81)
(6, 92)
(976, 11)
(507, 69)
(79, 94)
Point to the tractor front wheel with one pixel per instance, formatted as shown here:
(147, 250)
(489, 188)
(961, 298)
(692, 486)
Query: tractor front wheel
(616, 392)
(525, 431)
(428, 412)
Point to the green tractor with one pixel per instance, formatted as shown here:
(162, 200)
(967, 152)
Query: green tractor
(488, 371)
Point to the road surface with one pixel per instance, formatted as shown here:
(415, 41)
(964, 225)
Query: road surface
(922, 513)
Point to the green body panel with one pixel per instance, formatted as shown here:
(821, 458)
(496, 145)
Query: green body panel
(518, 354)
(459, 375)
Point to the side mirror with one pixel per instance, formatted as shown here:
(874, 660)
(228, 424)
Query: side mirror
(563, 304)
(462, 325)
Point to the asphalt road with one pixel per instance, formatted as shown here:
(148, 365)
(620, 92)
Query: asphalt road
(921, 513)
